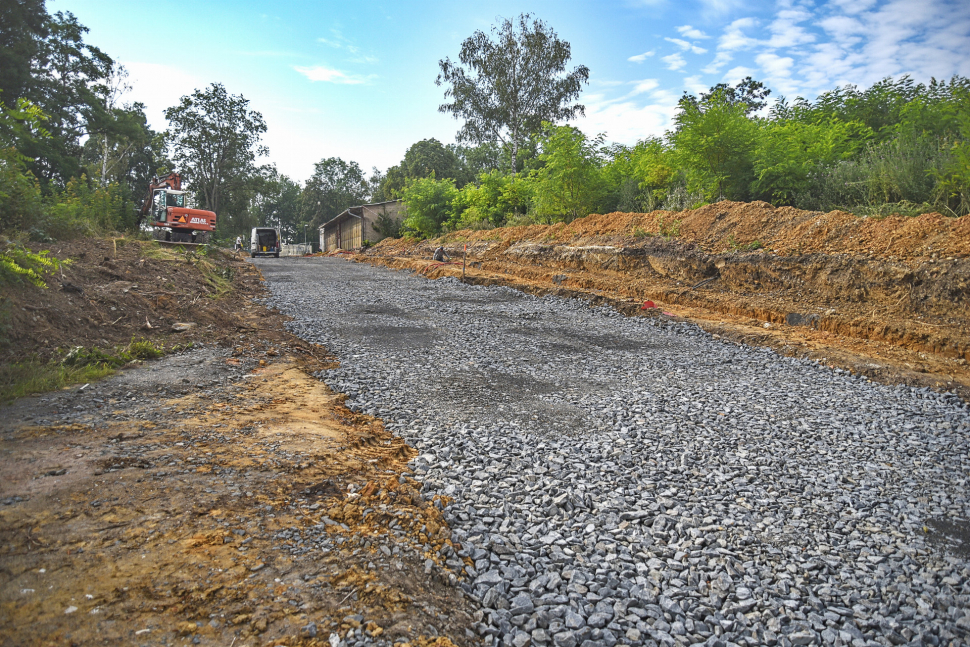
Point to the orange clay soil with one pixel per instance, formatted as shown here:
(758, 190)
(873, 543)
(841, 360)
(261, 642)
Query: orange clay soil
(888, 298)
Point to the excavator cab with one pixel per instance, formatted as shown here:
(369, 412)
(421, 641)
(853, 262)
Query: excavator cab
(163, 199)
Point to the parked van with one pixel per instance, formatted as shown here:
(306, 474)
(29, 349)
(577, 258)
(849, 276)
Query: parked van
(264, 242)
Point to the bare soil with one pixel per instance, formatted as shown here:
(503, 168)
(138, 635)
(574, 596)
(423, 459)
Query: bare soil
(183, 500)
(888, 298)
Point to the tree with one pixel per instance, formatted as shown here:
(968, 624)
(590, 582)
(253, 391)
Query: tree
(276, 203)
(426, 158)
(570, 185)
(215, 140)
(429, 203)
(23, 27)
(334, 186)
(429, 158)
(713, 141)
(748, 93)
(788, 154)
(67, 83)
(513, 83)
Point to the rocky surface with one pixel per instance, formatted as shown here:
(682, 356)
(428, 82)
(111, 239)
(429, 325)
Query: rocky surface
(628, 480)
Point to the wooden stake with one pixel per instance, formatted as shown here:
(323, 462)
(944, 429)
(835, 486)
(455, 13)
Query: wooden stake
(464, 255)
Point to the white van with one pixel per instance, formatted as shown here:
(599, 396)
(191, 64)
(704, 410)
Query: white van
(265, 241)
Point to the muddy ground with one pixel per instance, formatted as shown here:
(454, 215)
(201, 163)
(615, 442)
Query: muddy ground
(169, 504)
(887, 298)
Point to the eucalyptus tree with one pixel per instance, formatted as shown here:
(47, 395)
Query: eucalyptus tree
(510, 82)
(215, 140)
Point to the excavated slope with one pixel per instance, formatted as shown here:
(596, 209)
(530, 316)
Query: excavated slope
(892, 292)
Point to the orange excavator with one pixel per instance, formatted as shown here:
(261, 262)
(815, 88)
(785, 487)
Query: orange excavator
(165, 207)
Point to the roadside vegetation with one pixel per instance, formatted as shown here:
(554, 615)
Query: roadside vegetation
(75, 365)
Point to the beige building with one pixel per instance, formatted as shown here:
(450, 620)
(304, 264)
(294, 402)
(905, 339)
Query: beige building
(351, 228)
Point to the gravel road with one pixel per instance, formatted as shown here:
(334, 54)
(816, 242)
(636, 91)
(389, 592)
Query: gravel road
(628, 480)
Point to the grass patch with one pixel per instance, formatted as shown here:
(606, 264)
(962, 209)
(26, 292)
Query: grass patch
(34, 376)
(78, 365)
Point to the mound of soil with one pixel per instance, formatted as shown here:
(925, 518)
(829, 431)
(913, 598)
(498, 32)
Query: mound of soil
(112, 290)
(889, 297)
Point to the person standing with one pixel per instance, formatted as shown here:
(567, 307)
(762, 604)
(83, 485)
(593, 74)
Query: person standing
(238, 243)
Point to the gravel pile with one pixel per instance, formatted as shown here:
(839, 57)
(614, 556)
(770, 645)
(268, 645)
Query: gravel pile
(626, 480)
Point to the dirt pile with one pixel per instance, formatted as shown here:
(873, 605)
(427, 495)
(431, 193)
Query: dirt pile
(889, 297)
(112, 290)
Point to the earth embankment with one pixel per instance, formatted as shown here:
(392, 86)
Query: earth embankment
(884, 297)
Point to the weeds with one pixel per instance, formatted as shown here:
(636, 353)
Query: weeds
(78, 365)
(20, 379)
(639, 232)
(743, 247)
(671, 229)
(17, 263)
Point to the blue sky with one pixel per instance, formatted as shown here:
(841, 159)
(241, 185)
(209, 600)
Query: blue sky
(356, 79)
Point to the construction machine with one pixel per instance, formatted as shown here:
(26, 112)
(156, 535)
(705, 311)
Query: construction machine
(166, 208)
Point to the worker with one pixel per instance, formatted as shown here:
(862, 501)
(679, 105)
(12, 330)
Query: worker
(440, 255)
(238, 243)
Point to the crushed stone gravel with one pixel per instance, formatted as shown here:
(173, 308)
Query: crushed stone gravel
(629, 480)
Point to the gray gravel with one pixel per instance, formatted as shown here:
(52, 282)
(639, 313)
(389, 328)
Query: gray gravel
(626, 480)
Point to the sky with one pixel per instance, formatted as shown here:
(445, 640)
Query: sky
(356, 80)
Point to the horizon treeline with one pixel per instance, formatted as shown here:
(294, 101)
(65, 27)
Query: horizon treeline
(898, 147)
(76, 159)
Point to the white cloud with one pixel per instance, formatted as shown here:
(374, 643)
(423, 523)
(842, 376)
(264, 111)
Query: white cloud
(646, 85)
(734, 37)
(694, 85)
(736, 74)
(328, 75)
(674, 61)
(785, 29)
(721, 6)
(689, 32)
(684, 45)
(627, 122)
(720, 60)
(640, 58)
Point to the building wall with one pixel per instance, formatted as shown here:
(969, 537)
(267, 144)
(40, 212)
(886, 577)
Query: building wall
(350, 231)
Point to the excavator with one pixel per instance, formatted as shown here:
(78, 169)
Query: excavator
(166, 205)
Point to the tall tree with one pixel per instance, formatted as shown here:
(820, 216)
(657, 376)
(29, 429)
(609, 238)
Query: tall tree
(513, 83)
(67, 83)
(215, 140)
(23, 26)
(334, 186)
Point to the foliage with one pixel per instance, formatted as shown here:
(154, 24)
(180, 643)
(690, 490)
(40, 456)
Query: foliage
(570, 183)
(18, 379)
(429, 204)
(507, 86)
(748, 93)
(67, 83)
(788, 153)
(215, 140)
(19, 264)
(490, 201)
(79, 210)
(334, 186)
(713, 141)
(276, 203)
(426, 158)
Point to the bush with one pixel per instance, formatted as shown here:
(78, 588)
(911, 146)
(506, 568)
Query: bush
(429, 204)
